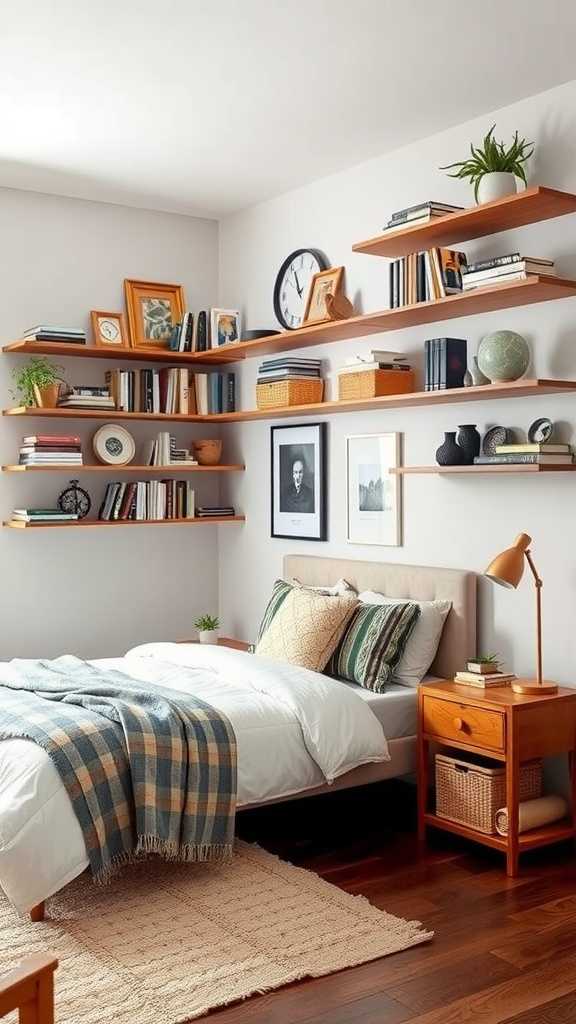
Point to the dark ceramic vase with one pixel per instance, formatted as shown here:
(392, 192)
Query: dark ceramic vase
(469, 441)
(449, 453)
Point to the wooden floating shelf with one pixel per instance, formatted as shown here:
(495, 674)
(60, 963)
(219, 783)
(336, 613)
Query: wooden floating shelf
(556, 832)
(113, 470)
(124, 355)
(110, 414)
(515, 211)
(87, 523)
(509, 468)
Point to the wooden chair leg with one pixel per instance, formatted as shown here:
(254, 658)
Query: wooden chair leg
(37, 912)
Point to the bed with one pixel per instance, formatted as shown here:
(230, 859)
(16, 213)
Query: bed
(298, 733)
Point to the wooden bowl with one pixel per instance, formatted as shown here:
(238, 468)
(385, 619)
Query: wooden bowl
(207, 453)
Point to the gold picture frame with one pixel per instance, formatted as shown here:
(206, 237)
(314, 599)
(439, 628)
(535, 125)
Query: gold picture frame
(326, 282)
(153, 310)
(109, 330)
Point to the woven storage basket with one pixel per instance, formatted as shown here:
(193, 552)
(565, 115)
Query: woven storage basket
(470, 792)
(283, 393)
(375, 383)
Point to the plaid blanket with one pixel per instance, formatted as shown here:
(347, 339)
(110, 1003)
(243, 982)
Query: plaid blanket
(148, 769)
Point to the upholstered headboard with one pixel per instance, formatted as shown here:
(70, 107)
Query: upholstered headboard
(421, 582)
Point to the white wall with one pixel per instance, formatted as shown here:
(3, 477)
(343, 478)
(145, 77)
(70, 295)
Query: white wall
(450, 521)
(99, 591)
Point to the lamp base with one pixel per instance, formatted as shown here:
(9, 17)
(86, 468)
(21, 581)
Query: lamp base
(531, 686)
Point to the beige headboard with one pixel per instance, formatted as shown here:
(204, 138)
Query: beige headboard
(421, 582)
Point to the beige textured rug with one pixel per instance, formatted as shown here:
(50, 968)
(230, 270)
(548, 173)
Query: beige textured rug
(166, 943)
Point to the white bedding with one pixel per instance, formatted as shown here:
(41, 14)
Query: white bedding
(295, 729)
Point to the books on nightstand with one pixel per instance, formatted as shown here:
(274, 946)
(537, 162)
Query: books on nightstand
(484, 681)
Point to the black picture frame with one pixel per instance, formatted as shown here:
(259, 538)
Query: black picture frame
(318, 518)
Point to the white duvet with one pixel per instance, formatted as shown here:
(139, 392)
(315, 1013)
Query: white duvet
(295, 729)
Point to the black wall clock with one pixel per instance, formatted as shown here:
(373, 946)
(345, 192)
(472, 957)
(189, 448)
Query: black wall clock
(292, 284)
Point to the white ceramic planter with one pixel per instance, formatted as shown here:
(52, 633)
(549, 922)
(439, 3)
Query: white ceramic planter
(496, 185)
(208, 636)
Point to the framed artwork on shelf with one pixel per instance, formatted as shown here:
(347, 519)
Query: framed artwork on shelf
(224, 327)
(298, 507)
(109, 330)
(326, 282)
(374, 493)
(153, 311)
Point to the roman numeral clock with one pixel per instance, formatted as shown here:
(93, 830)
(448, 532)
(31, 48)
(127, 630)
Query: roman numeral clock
(292, 286)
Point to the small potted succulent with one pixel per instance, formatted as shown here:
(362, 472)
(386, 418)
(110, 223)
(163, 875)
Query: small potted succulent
(485, 664)
(208, 629)
(37, 383)
(492, 168)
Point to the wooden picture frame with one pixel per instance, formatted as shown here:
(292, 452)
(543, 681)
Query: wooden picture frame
(109, 330)
(326, 282)
(373, 492)
(153, 310)
(298, 492)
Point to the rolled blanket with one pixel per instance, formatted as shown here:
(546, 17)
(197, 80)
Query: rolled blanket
(533, 814)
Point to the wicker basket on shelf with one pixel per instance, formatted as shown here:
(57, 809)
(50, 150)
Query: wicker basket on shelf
(470, 792)
(283, 393)
(374, 384)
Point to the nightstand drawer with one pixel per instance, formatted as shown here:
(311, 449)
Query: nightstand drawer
(450, 721)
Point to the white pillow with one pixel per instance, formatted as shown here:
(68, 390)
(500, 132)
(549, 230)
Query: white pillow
(422, 642)
(340, 587)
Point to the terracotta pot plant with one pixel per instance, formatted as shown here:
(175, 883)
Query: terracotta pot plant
(208, 629)
(492, 168)
(37, 383)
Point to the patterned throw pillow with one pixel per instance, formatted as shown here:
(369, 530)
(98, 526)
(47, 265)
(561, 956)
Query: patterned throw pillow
(373, 643)
(280, 592)
(306, 626)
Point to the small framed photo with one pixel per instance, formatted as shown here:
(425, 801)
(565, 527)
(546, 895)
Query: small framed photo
(299, 481)
(224, 327)
(327, 282)
(153, 311)
(109, 329)
(374, 492)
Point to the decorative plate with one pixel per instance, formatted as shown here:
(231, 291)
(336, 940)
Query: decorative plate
(540, 431)
(494, 437)
(113, 445)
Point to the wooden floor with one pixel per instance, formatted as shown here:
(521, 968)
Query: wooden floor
(504, 950)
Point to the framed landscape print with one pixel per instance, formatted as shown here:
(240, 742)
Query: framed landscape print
(224, 327)
(109, 329)
(299, 481)
(153, 310)
(374, 493)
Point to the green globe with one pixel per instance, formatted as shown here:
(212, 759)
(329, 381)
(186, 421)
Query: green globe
(503, 355)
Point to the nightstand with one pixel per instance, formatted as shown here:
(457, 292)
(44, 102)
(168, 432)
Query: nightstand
(224, 641)
(506, 727)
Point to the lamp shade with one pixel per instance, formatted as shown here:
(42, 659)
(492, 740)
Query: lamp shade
(507, 568)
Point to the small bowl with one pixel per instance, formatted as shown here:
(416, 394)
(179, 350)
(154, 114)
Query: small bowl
(207, 453)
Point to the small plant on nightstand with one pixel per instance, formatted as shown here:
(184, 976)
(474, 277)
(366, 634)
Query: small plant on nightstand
(208, 627)
(484, 663)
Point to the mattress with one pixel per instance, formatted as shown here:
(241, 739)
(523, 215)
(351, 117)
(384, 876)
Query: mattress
(396, 709)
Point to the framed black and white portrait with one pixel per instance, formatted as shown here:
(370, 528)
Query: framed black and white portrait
(299, 481)
(374, 492)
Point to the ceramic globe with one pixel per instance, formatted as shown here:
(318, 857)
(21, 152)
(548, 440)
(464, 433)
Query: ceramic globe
(503, 356)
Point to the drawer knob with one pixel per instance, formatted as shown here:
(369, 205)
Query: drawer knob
(459, 724)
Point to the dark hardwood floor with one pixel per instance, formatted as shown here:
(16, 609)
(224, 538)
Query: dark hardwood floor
(504, 950)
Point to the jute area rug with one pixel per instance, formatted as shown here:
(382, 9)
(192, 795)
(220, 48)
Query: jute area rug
(165, 943)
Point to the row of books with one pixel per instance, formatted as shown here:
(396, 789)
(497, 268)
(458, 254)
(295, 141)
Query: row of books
(445, 363)
(172, 390)
(289, 368)
(43, 515)
(148, 499)
(378, 359)
(549, 453)
(485, 680)
(421, 213)
(512, 267)
(55, 333)
(162, 451)
(50, 450)
(426, 276)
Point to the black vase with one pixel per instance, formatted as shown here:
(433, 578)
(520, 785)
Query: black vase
(469, 441)
(449, 453)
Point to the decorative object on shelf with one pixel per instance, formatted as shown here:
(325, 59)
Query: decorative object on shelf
(37, 383)
(483, 663)
(208, 627)
(299, 486)
(468, 440)
(535, 813)
(109, 330)
(374, 491)
(258, 334)
(478, 378)
(468, 380)
(75, 500)
(153, 311)
(540, 431)
(292, 286)
(445, 363)
(207, 452)
(503, 356)
(491, 168)
(113, 445)
(449, 453)
(325, 283)
(507, 570)
(225, 327)
(494, 437)
(338, 307)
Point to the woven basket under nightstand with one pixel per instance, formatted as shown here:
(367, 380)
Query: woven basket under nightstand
(470, 793)
(285, 393)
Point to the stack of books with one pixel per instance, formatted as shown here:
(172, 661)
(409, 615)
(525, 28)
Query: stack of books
(548, 453)
(144, 500)
(162, 451)
(86, 397)
(422, 213)
(446, 362)
(50, 450)
(484, 680)
(512, 267)
(172, 390)
(426, 276)
(55, 333)
(215, 511)
(289, 368)
(42, 515)
(377, 359)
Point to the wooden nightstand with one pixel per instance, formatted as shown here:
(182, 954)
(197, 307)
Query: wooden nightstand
(507, 727)
(224, 641)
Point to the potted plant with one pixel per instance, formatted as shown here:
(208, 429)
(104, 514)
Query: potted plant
(208, 627)
(485, 664)
(492, 168)
(37, 383)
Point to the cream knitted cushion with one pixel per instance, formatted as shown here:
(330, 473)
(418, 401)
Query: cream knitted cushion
(306, 628)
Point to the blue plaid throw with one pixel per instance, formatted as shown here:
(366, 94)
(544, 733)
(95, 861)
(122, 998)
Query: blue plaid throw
(148, 769)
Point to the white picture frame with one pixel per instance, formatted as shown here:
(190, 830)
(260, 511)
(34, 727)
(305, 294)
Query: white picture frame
(298, 481)
(373, 492)
(225, 327)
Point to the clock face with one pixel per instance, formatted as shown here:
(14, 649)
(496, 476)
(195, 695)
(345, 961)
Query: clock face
(292, 286)
(109, 329)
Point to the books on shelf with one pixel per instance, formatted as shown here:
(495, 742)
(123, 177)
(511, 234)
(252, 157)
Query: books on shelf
(289, 368)
(42, 515)
(445, 363)
(378, 359)
(162, 451)
(55, 333)
(50, 450)
(142, 500)
(484, 680)
(213, 511)
(173, 391)
(73, 400)
(425, 276)
(191, 334)
(512, 267)
(524, 459)
(422, 213)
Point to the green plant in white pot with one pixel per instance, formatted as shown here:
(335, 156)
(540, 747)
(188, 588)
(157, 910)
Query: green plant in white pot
(208, 627)
(492, 168)
(37, 383)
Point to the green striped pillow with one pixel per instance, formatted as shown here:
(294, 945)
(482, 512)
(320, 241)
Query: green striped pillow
(373, 643)
(280, 592)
